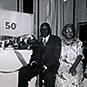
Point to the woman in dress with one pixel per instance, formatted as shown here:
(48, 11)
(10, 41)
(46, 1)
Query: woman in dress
(70, 73)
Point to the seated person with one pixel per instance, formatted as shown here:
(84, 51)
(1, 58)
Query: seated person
(44, 60)
(70, 73)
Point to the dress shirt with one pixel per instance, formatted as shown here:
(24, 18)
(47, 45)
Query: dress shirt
(47, 38)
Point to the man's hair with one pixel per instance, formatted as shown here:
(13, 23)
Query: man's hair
(46, 24)
(66, 27)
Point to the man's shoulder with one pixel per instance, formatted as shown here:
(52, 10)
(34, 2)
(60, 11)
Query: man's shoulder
(55, 37)
(35, 44)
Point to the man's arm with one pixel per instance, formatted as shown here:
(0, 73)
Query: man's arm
(34, 47)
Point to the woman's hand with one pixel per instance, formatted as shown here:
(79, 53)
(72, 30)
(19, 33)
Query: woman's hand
(72, 71)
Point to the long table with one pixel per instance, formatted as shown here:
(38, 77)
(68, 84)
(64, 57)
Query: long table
(9, 62)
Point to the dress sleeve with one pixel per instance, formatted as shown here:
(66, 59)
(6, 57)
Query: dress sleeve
(79, 49)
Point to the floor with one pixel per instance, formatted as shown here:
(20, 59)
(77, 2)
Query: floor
(85, 83)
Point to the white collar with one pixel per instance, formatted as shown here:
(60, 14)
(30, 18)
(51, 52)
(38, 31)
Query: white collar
(47, 38)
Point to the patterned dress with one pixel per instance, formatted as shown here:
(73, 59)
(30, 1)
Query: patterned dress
(68, 57)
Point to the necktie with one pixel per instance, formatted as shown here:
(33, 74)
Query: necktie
(44, 42)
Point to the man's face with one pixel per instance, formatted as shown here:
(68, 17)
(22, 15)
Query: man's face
(45, 31)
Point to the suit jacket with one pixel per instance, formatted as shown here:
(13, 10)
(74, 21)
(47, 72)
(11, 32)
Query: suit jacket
(51, 51)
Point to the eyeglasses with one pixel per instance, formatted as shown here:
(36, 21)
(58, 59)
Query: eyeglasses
(69, 31)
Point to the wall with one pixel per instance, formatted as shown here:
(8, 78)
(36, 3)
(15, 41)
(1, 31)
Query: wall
(85, 10)
(57, 13)
(62, 13)
(79, 11)
(15, 23)
(48, 11)
(68, 11)
(8, 4)
(15, 5)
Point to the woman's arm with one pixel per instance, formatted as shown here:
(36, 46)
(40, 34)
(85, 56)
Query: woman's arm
(79, 57)
(72, 70)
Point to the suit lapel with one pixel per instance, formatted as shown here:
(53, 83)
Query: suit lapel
(50, 41)
(49, 46)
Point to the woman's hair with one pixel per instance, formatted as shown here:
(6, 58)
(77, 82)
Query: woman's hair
(66, 27)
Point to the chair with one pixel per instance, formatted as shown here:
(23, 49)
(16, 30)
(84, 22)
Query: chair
(39, 82)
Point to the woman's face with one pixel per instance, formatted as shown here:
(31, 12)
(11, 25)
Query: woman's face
(69, 33)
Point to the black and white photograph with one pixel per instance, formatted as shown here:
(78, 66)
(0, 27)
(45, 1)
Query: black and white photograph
(43, 43)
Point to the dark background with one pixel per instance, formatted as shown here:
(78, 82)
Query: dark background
(82, 28)
(28, 6)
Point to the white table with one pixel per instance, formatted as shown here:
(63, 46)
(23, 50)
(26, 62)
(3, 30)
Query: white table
(10, 62)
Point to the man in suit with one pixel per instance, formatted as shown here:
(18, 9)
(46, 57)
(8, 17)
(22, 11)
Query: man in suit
(44, 60)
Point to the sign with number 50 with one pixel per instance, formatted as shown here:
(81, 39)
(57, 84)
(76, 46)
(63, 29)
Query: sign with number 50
(15, 23)
(9, 25)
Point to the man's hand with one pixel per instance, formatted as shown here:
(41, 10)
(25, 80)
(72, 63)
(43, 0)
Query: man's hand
(34, 67)
(43, 70)
(72, 71)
